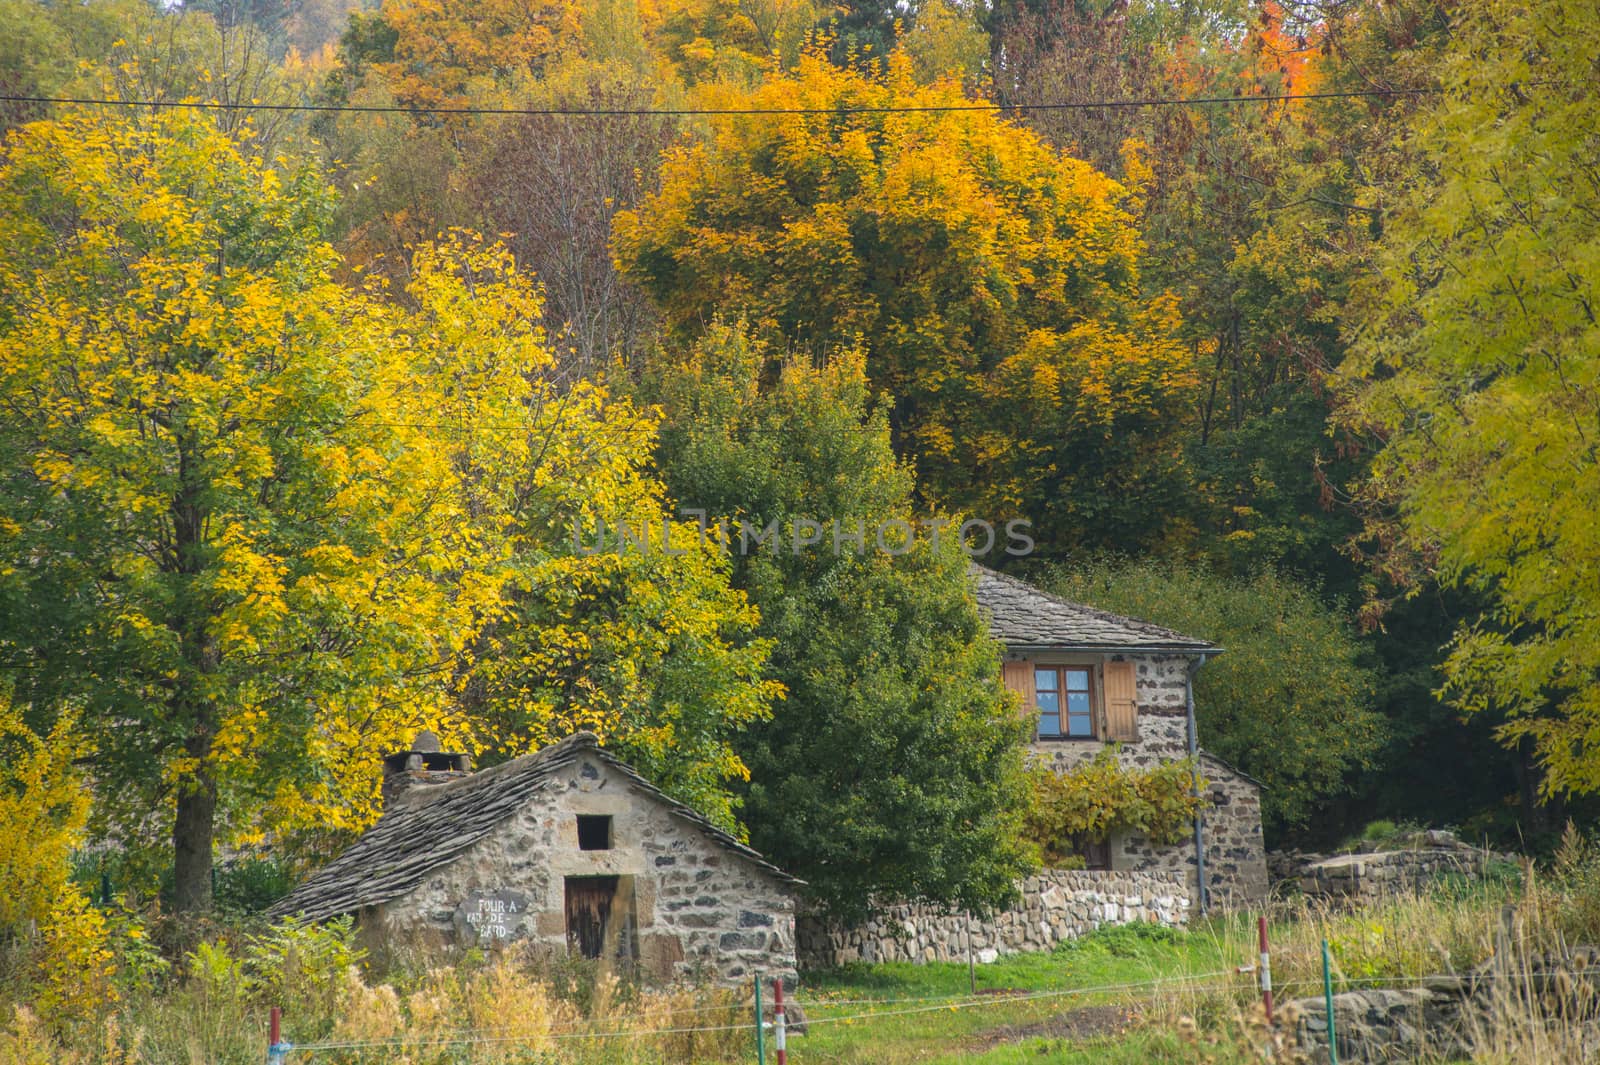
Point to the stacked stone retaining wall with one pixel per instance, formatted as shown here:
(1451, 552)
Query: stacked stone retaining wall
(1056, 905)
(1547, 999)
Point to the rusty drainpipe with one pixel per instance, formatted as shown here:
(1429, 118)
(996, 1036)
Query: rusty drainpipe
(1202, 899)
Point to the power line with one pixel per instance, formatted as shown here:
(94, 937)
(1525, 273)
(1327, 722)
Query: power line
(596, 429)
(718, 112)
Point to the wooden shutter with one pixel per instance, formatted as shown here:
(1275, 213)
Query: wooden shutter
(1122, 703)
(1018, 676)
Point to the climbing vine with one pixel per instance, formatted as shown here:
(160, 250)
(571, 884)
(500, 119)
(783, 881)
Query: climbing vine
(1102, 796)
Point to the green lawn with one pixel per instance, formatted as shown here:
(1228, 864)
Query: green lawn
(1115, 967)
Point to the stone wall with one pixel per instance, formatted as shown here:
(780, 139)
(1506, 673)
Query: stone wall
(701, 910)
(1375, 873)
(1360, 877)
(1056, 905)
(1235, 852)
(1444, 1017)
(1236, 867)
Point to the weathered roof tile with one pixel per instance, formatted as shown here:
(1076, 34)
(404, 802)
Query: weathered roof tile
(419, 836)
(1022, 616)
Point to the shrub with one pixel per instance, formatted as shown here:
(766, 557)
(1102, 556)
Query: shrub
(1102, 796)
(61, 940)
(1132, 940)
(75, 965)
(302, 965)
(250, 885)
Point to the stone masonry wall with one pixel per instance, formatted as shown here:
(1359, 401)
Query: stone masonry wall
(1554, 995)
(1360, 877)
(1236, 866)
(702, 911)
(1056, 905)
(1236, 852)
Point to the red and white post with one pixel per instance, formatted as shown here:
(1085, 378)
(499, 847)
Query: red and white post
(277, 1049)
(1265, 967)
(779, 1042)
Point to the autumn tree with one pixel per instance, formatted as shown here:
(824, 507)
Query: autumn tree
(260, 526)
(993, 283)
(892, 767)
(1474, 362)
(130, 50)
(182, 386)
(1079, 54)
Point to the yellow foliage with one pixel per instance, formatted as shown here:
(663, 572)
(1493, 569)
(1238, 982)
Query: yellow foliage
(993, 282)
(43, 808)
(442, 45)
(75, 964)
(44, 805)
(306, 520)
(1101, 796)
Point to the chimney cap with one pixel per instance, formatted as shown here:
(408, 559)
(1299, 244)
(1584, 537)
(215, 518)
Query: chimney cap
(426, 743)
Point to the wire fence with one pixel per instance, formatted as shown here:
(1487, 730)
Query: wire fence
(901, 1007)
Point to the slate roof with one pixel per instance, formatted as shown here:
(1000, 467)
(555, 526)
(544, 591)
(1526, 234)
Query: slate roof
(1207, 756)
(1021, 616)
(413, 839)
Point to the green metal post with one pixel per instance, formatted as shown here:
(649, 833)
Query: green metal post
(1327, 998)
(761, 1035)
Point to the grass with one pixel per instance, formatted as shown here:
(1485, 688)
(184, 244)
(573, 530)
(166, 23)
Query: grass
(1120, 996)
(1135, 961)
(1193, 1006)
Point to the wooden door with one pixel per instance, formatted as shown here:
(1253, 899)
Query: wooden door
(589, 904)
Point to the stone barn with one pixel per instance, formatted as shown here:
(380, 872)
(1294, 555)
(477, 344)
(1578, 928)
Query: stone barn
(567, 849)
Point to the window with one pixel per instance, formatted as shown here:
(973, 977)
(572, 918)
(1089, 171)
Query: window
(1065, 697)
(1096, 853)
(594, 832)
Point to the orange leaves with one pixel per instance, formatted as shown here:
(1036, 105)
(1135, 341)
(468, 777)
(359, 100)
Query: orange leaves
(442, 45)
(947, 242)
(1290, 54)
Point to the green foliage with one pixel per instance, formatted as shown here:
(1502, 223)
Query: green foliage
(249, 885)
(1101, 797)
(1137, 939)
(1476, 361)
(893, 765)
(297, 964)
(1290, 700)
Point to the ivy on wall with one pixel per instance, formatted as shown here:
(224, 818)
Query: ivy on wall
(1100, 797)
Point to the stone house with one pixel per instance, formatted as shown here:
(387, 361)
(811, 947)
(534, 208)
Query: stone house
(568, 850)
(1090, 679)
(1094, 678)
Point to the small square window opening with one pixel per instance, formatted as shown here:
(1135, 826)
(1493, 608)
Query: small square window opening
(594, 832)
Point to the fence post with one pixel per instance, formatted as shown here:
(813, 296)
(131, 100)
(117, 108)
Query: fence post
(277, 1049)
(972, 964)
(1265, 967)
(778, 1021)
(1327, 998)
(761, 1027)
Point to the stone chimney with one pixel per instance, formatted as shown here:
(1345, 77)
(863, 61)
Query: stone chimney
(407, 774)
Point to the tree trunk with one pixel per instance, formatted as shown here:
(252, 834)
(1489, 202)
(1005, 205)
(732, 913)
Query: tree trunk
(193, 831)
(195, 820)
(1534, 819)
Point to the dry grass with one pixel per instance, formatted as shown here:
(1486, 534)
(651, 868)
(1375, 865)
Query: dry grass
(512, 1008)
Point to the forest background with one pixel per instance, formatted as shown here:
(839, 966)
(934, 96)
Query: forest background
(1275, 321)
